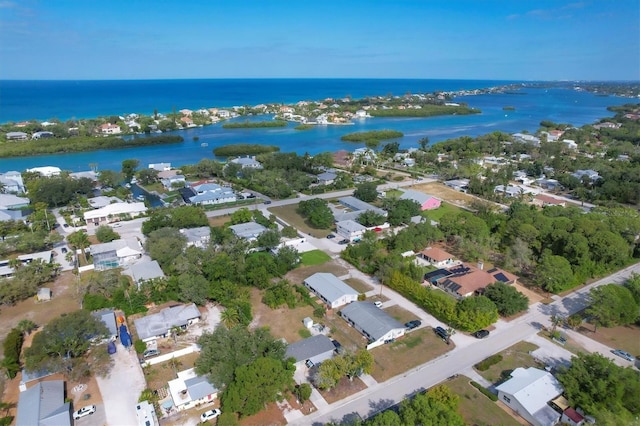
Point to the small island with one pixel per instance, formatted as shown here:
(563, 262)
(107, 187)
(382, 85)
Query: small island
(379, 135)
(239, 149)
(509, 108)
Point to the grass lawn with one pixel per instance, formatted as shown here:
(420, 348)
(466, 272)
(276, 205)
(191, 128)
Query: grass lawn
(344, 388)
(158, 375)
(156, 186)
(412, 350)
(475, 408)
(357, 285)
(289, 214)
(393, 193)
(625, 337)
(445, 209)
(400, 314)
(314, 257)
(512, 358)
(298, 275)
(282, 322)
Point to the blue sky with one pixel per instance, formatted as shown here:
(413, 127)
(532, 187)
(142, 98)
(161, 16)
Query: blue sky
(455, 39)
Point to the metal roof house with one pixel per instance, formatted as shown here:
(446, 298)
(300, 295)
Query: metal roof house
(374, 323)
(190, 390)
(315, 348)
(426, 201)
(350, 229)
(112, 212)
(10, 201)
(249, 230)
(212, 193)
(528, 392)
(108, 317)
(358, 205)
(43, 405)
(198, 237)
(159, 325)
(330, 289)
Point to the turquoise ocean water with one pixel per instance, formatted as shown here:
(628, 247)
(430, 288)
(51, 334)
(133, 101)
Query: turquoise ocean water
(20, 100)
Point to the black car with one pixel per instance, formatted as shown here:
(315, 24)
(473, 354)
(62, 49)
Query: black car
(330, 236)
(63, 250)
(441, 332)
(345, 241)
(413, 324)
(481, 334)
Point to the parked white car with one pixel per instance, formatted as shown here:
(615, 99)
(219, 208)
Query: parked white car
(211, 414)
(84, 411)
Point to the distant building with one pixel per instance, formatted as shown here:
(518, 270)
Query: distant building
(543, 200)
(174, 181)
(12, 182)
(114, 212)
(42, 135)
(247, 162)
(17, 136)
(87, 174)
(526, 138)
(161, 167)
(374, 323)
(110, 129)
(591, 174)
(46, 171)
(528, 392)
(330, 289)
(159, 325)
(102, 201)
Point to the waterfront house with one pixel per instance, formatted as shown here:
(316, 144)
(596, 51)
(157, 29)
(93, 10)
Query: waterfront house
(12, 182)
(212, 193)
(508, 191)
(102, 200)
(528, 393)
(374, 323)
(43, 405)
(46, 171)
(10, 201)
(155, 326)
(426, 201)
(330, 289)
(190, 390)
(116, 253)
(571, 144)
(17, 136)
(174, 181)
(42, 135)
(316, 349)
(110, 129)
(113, 212)
(526, 138)
(87, 174)
(160, 167)
(247, 162)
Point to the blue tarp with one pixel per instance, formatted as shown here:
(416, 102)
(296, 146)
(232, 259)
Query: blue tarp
(111, 348)
(125, 338)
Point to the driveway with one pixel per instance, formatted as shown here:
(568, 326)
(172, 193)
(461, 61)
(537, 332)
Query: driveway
(121, 389)
(96, 419)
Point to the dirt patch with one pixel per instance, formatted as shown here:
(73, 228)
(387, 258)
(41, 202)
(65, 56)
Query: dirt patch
(158, 375)
(531, 295)
(344, 389)
(282, 322)
(219, 220)
(445, 193)
(298, 275)
(625, 337)
(358, 285)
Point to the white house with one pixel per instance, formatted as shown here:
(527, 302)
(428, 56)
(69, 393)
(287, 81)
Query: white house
(146, 414)
(330, 289)
(528, 392)
(12, 182)
(159, 325)
(110, 129)
(249, 230)
(161, 167)
(17, 136)
(113, 212)
(247, 162)
(173, 181)
(571, 144)
(190, 390)
(374, 323)
(46, 171)
(211, 193)
(437, 257)
(350, 230)
(198, 237)
(116, 253)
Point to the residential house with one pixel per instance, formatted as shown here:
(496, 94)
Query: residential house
(190, 390)
(17, 136)
(357, 205)
(326, 178)
(7, 271)
(461, 185)
(212, 193)
(155, 326)
(409, 162)
(247, 162)
(570, 143)
(186, 112)
(464, 280)
(437, 257)
(374, 323)
(114, 212)
(426, 201)
(528, 392)
(572, 418)
(12, 182)
(543, 200)
(509, 191)
(44, 404)
(365, 154)
(591, 174)
(46, 171)
(42, 135)
(187, 121)
(174, 181)
(316, 349)
(10, 201)
(161, 167)
(166, 174)
(526, 138)
(146, 414)
(15, 215)
(110, 129)
(330, 289)
(116, 253)
(108, 317)
(197, 237)
(144, 271)
(549, 184)
(102, 201)
(350, 230)
(249, 230)
(87, 174)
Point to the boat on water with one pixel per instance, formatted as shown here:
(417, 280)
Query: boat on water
(140, 197)
(203, 144)
(127, 185)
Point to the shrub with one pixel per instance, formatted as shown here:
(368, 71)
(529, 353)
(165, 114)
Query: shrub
(362, 297)
(303, 392)
(139, 346)
(484, 391)
(12, 348)
(304, 333)
(319, 312)
(485, 364)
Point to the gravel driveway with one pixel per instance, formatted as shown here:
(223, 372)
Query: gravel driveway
(121, 389)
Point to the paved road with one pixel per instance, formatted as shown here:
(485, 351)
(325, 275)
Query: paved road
(467, 353)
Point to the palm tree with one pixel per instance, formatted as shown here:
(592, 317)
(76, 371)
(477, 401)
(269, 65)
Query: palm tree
(230, 317)
(26, 326)
(10, 366)
(79, 240)
(556, 320)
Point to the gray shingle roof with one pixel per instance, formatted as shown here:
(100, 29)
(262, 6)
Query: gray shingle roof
(351, 225)
(310, 347)
(43, 405)
(329, 286)
(373, 320)
(160, 323)
(248, 230)
(143, 271)
(108, 317)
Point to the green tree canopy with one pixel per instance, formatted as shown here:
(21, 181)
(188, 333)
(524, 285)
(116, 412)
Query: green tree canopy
(475, 313)
(554, 273)
(317, 211)
(367, 192)
(105, 234)
(612, 305)
(165, 245)
(508, 299)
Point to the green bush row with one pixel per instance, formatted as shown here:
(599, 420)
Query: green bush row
(485, 364)
(378, 135)
(12, 348)
(484, 391)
